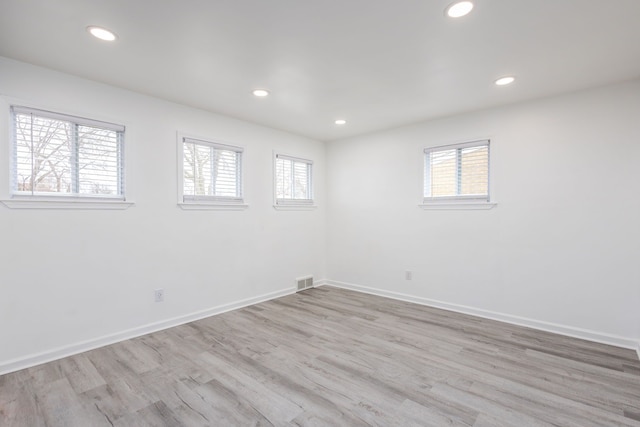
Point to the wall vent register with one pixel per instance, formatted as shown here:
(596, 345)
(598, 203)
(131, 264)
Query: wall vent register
(303, 283)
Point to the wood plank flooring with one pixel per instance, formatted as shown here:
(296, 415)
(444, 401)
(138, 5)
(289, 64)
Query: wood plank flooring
(333, 357)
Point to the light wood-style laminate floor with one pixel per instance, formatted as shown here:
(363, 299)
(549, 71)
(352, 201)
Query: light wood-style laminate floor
(328, 356)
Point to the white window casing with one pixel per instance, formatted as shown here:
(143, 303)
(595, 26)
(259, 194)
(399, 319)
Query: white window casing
(60, 161)
(293, 182)
(457, 176)
(209, 175)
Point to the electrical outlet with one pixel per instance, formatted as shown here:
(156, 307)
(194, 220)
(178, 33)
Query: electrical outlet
(408, 275)
(158, 295)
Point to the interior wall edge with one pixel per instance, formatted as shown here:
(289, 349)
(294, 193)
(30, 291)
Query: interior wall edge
(31, 360)
(570, 331)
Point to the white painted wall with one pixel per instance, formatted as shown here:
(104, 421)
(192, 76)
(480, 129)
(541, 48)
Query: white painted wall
(563, 244)
(71, 276)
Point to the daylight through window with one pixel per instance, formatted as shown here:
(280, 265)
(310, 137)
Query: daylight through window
(56, 154)
(293, 180)
(211, 171)
(457, 172)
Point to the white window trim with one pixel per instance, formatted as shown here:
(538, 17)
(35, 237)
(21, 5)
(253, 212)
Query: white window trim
(86, 203)
(292, 204)
(205, 202)
(66, 201)
(458, 205)
(292, 207)
(470, 202)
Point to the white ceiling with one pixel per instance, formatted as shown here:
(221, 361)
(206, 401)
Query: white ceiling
(376, 63)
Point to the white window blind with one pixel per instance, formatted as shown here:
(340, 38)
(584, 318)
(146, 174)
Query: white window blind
(293, 180)
(56, 154)
(211, 171)
(457, 172)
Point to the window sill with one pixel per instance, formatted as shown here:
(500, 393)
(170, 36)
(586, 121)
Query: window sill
(85, 204)
(202, 206)
(454, 206)
(295, 207)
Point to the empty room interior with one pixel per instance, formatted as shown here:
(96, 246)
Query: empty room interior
(285, 212)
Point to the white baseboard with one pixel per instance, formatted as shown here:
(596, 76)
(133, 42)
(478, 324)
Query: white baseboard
(570, 331)
(80, 347)
(320, 282)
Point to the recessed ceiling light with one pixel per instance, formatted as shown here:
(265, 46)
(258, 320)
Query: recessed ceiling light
(261, 93)
(340, 122)
(502, 81)
(458, 9)
(102, 33)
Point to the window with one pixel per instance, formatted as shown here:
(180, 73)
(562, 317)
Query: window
(58, 155)
(293, 181)
(457, 173)
(211, 173)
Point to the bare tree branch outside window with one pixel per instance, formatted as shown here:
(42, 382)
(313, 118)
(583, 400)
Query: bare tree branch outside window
(210, 171)
(63, 157)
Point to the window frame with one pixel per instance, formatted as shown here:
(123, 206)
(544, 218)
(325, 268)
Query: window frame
(188, 202)
(460, 201)
(12, 198)
(291, 203)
